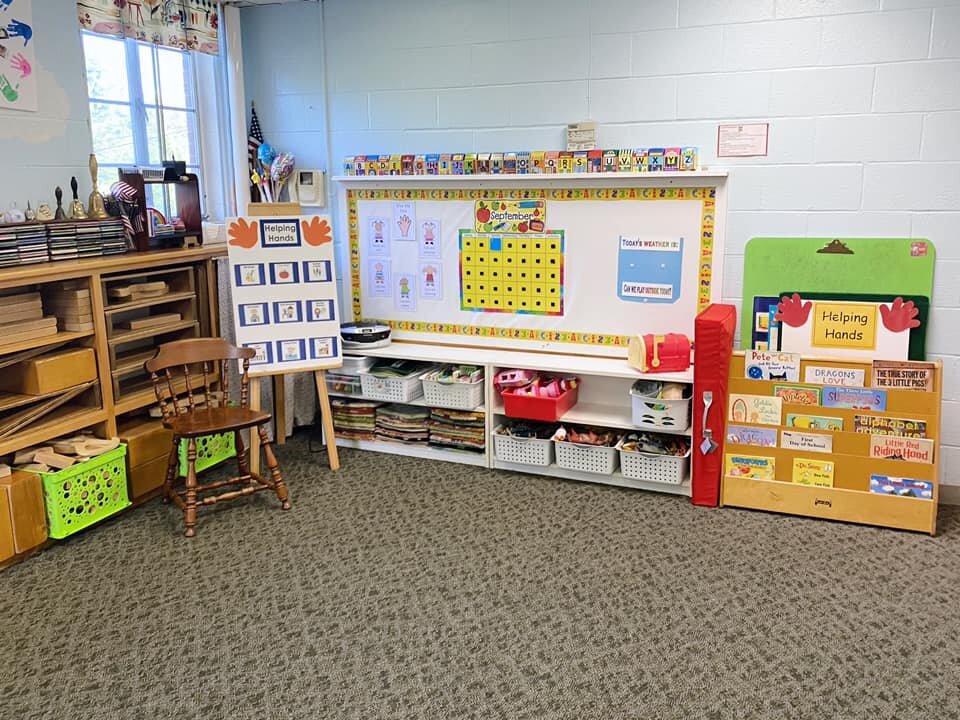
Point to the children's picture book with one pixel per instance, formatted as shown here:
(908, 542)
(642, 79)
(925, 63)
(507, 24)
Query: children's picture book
(903, 375)
(813, 472)
(755, 409)
(856, 398)
(743, 435)
(891, 447)
(846, 377)
(754, 467)
(766, 365)
(814, 422)
(798, 394)
(806, 442)
(903, 487)
(882, 425)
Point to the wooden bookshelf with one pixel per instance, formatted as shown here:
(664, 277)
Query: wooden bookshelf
(850, 498)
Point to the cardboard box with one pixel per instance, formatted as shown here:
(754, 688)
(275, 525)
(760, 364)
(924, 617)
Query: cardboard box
(146, 440)
(50, 373)
(22, 512)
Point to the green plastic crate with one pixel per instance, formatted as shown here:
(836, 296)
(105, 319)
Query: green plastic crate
(84, 494)
(211, 450)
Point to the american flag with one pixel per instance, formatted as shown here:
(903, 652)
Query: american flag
(254, 140)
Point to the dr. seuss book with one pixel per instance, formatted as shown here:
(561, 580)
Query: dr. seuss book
(903, 375)
(891, 447)
(798, 394)
(814, 422)
(756, 409)
(806, 442)
(856, 398)
(813, 472)
(882, 425)
(743, 435)
(903, 487)
(760, 365)
(754, 467)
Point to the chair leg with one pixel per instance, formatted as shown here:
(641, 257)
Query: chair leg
(173, 466)
(274, 467)
(243, 458)
(190, 502)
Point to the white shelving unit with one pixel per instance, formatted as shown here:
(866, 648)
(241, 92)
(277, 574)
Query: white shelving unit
(604, 400)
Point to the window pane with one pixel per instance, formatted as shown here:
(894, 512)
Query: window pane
(179, 136)
(171, 65)
(106, 68)
(154, 148)
(147, 79)
(112, 133)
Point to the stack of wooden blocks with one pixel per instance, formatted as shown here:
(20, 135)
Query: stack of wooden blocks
(23, 520)
(23, 319)
(148, 450)
(70, 302)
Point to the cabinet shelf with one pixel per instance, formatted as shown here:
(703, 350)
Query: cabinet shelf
(63, 421)
(611, 416)
(464, 457)
(56, 339)
(616, 478)
(150, 302)
(127, 336)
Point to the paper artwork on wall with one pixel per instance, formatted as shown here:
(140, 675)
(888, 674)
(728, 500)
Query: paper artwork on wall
(649, 269)
(431, 286)
(378, 239)
(405, 293)
(404, 224)
(284, 290)
(18, 65)
(379, 274)
(428, 235)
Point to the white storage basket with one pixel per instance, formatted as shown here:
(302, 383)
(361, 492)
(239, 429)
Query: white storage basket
(587, 458)
(399, 390)
(525, 451)
(458, 395)
(655, 413)
(650, 467)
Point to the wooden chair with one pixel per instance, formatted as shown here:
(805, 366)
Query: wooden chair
(206, 413)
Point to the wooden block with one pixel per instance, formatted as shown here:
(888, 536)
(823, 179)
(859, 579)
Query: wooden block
(28, 335)
(71, 294)
(5, 470)
(50, 373)
(25, 509)
(146, 440)
(152, 321)
(10, 328)
(29, 297)
(76, 326)
(27, 311)
(7, 548)
(22, 457)
(54, 460)
(144, 478)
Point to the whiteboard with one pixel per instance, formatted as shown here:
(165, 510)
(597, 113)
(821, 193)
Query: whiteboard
(608, 267)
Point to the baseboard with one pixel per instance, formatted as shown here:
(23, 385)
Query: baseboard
(950, 494)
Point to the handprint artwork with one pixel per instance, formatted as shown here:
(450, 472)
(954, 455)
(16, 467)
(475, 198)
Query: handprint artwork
(18, 65)
(899, 315)
(19, 29)
(404, 222)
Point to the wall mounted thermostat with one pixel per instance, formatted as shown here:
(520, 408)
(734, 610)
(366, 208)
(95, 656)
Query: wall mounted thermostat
(311, 187)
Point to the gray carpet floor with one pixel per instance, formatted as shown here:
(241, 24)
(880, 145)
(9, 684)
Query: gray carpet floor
(403, 588)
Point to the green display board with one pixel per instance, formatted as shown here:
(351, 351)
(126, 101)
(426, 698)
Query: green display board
(862, 266)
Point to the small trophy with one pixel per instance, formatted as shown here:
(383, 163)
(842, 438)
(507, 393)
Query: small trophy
(77, 211)
(95, 207)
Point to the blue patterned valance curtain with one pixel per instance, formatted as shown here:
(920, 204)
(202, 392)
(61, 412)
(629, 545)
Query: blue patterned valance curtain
(182, 24)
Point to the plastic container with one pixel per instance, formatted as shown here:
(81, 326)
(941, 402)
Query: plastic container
(599, 459)
(399, 390)
(355, 364)
(84, 494)
(655, 413)
(458, 395)
(344, 384)
(524, 451)
(211, 450)
(547, 409)
(651, 467)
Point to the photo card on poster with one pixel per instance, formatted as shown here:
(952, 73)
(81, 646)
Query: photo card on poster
(379, 273)
(429, 238)
(320, 311)
(405, 297)
(378, 239)
(404, 224)
(254, 314)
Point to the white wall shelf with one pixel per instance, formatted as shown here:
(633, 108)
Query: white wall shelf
(604, 401)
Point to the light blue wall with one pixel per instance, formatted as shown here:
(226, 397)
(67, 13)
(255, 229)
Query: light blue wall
(41, 150)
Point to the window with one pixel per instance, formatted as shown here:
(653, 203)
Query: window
(143, 109)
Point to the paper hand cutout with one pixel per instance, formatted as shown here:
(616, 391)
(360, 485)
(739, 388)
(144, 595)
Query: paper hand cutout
(404, 224)
(5, 4)
(8, 90)
(899, 315)
(317, 232)
(15, 28)
(19, 63)
(793, 311)
(244, 234)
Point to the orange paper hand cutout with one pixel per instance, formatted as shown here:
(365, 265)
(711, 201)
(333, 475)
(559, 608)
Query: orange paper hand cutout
(317, 232)
(793, 311)
(899, 315)
(243, 234)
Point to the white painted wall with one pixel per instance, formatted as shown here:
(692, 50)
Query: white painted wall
(41, 150)
(863, 98)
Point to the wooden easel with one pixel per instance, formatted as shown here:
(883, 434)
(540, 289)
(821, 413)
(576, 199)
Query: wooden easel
(279, 390)
(326, 417)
